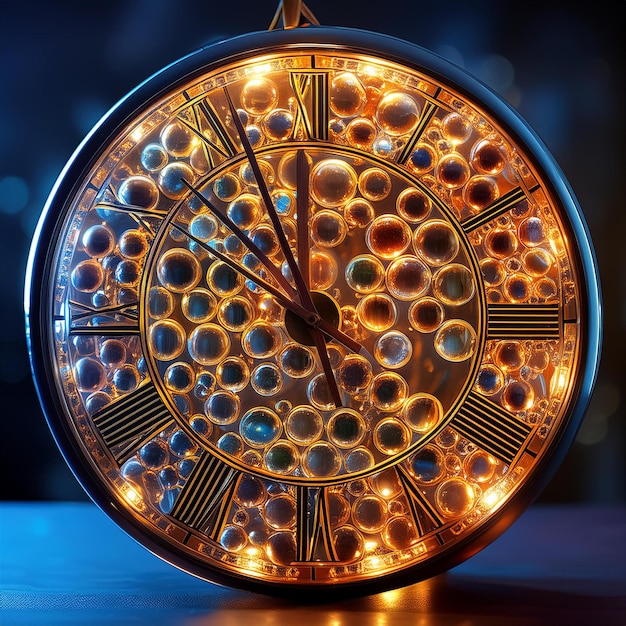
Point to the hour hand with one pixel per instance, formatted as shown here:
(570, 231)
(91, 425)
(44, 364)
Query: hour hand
(302, 216)
(301, 286)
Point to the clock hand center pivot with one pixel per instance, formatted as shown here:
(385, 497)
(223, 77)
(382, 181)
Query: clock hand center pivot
(299, 327)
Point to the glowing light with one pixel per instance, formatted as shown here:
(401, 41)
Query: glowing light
(491, 497)
(259, 70)
(554, 245)
(559, 382)
(133, 496)
(373, 562)
(391, 597)
(137, 134)
(251, 563)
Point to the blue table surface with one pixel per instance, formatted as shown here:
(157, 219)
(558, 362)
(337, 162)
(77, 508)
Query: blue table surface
(556, 565)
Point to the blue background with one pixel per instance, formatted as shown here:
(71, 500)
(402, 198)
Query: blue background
(64, 64)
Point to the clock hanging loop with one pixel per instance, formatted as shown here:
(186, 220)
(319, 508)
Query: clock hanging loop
(293, 14)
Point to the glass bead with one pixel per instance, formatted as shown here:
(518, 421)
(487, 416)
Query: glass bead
(452, 171)
(153, 157)
(154, 454)
(397, 113)
(413, 205)
(428, 464)
(321, 459)
(171, 178)
(455, 340)
(453, 284)
(347, 95)
(388, 236)
(266, 379)
(436, 242)
(374, 184)
(87, 276)
(365, 273)
(259, 96)
(199, 305)
(178, 270)
(260, 427)
(223, 280)
(112, 352)
(98, 241)
(126, 378)
(407, 278)
(333, 183)
(233, 538)
(388, 391)
(304, 425)
(222, 407)
(349, 544)
(139, 191)
(89, 374)
(393, 349)
(391, 436)
(346, 428)
(426, 315)
(232, 374)
(370, 514)
(208, 344)
(160, 303)
(422, 412)
(455, 497)
(282, 458)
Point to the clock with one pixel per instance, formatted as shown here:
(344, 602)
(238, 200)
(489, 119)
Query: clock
(312, 308)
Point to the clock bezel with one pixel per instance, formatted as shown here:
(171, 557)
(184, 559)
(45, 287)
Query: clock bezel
(41, 261)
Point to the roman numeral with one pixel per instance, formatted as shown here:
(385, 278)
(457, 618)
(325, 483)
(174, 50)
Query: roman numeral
(131, 420)
(311, 91)
(495, 209)
(523, 321)
(206, 498)
(491, 427)
(202, 119)
(428, 112)
(109, 321)
(424, 514)
(314, 538)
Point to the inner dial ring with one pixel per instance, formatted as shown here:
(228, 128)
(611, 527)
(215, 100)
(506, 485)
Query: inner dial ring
(402, 283)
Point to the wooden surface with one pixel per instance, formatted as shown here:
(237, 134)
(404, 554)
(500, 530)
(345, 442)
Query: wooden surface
(555, 565)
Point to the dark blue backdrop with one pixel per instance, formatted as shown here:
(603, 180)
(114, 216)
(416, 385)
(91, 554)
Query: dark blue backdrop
(63, 64)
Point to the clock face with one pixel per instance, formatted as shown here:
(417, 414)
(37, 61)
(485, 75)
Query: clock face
(312, 316)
